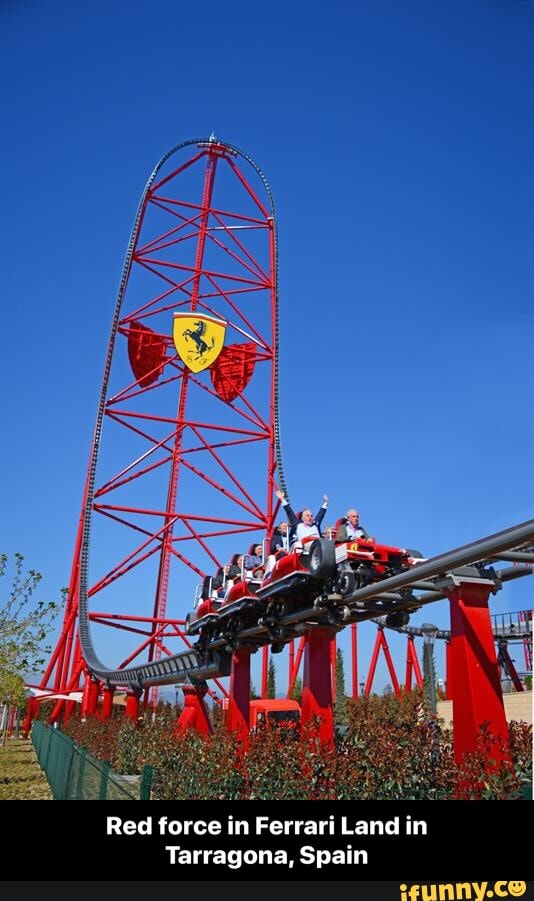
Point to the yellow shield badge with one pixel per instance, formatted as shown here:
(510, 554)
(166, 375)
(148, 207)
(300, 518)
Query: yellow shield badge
(198, 339)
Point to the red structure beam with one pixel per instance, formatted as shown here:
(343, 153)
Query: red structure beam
(238, 713)
(505, 662)
(381, 643)
(354, 650)
(412, 665)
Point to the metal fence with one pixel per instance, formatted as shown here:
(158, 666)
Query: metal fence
(75, 775)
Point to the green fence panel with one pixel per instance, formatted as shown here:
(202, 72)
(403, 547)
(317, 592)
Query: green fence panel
(147, 775)
(75, 775)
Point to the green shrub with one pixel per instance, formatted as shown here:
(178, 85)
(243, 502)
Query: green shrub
(390, 751)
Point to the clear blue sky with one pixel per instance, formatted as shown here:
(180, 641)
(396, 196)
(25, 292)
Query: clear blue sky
(397, 139)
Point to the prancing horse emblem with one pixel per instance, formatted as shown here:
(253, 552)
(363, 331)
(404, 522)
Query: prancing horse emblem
(200, 342)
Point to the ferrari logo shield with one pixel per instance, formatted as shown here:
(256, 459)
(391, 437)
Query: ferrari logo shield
(198, 339)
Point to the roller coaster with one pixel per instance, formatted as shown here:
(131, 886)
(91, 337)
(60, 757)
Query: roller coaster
(188, 422)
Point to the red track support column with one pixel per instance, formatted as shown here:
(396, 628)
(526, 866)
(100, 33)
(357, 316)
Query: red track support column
(333, 661)
(194, 715)
(317, 688)
(477, 695)
(238, 714)
(132, 706)
(354, 648)
(409, 665)
(86, 697)
(70, 708)
(293, 673)
(73, 684)
(381, 643)
(372, 665)
(31, 713)
(264, 670)
(391, 668)
(412, 666)
(92, 700)
(107, 703)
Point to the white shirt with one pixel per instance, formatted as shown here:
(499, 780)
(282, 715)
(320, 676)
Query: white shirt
(305, 531)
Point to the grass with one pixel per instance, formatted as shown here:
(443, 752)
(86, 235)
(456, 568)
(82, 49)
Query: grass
(21, 777)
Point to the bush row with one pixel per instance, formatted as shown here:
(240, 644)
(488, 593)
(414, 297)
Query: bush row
(389, 751)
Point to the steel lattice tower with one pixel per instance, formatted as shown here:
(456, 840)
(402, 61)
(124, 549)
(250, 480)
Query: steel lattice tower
(185, 452)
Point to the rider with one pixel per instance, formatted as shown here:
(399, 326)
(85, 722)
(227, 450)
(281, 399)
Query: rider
(218, 580)
(303, 525)
(226, 575)
(279, 539)
(254, 556)
(300, 527)
(235, 568)
(308, 526)
(350, 527)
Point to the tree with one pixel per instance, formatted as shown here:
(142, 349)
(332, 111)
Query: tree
(24, 626)
(340, 703)
(253, 692)
(296, 694)
(271, 679)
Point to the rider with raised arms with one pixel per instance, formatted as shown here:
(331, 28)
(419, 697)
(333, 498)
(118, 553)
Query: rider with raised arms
(303, 525)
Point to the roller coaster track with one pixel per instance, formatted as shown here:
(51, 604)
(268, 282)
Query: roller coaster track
(427, 582)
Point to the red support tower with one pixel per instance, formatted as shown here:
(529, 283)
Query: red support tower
(185, 451)
(194, 715)
(238, 712)
(107, 703)
(317, 683)
(131, 711)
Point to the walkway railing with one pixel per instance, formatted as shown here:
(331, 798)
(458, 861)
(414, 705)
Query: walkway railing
(513, 625)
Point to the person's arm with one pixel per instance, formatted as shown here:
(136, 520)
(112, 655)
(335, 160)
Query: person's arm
(292, 517)
(341, 534)
(322, 510)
